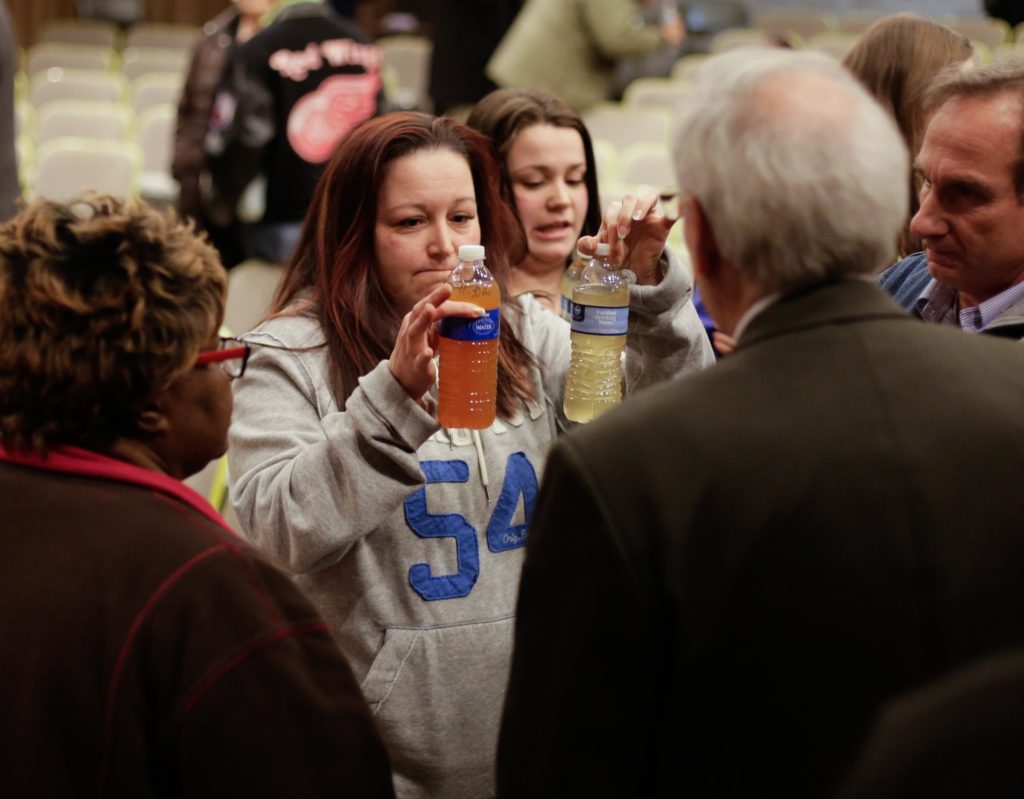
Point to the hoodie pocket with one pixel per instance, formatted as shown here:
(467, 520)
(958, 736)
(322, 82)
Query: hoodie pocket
(437, 695)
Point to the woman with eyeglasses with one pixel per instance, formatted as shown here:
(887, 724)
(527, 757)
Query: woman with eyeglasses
(146, 650)
(410, 537)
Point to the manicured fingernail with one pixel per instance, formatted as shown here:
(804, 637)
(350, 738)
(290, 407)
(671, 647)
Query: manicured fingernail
(623, 232)
(638, 215)
(481, 312)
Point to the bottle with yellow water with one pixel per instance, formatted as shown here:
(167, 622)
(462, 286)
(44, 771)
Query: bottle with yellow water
(600, 312)
(572, 274)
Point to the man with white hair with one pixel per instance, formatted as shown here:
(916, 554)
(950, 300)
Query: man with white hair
(971, 272)
(728, 575)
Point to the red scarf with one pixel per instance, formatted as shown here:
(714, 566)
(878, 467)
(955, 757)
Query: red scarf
(73, 460)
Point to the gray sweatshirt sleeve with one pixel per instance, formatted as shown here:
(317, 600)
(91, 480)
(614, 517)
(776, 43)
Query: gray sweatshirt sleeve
(307, 480)
(665, 336)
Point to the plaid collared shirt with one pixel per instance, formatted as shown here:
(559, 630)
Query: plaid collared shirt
(940, 304)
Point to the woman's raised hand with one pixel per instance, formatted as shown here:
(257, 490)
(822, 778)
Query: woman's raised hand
(637, 229)
(412, 359)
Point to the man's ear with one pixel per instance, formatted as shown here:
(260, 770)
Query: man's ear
(700, 240)
(152, 420)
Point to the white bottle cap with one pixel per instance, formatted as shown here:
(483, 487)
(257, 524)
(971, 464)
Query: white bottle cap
(471, 252)
(604, 248)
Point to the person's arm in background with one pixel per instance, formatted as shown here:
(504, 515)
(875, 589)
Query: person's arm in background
(618, 31)
(191, 127)
(241, 128)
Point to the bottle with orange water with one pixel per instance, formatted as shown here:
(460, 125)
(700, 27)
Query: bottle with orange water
(468, 372)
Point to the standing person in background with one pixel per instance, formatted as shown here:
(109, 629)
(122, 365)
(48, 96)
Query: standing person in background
(570, 47)
(147, 651)
(896, 59)
(410, 537)
(210, 59)
(296, 89)
(466, 33)
(10, 189)
(550, 177)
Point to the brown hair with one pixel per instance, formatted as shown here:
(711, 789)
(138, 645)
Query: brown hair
(102, 305)
(505, 113)
(335, 254)
(896, 59)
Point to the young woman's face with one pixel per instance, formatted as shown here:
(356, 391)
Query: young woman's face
(547, 167)
(426, 209)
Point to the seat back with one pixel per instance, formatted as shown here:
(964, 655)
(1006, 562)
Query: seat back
(44, 55)
(686, 67)
(75, 84)
(656, 93)
(833, 43)
(623, 126)
(251, 288)
(155, 137)
(156, 88)
(93, 119)
(136, 61)
(66, 167)
(859, 21)
(990, 32)
(804, 22)
(740, 37)
(647, 164)
(82, 31)
(407, 62)
(159, 34)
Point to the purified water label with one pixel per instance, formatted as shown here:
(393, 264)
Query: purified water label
(483, 328)
(566, 308)
(597, 320)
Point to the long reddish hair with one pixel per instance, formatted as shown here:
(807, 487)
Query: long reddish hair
(333, 272)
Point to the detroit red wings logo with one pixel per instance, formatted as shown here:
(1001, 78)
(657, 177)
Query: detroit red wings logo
(323, 118)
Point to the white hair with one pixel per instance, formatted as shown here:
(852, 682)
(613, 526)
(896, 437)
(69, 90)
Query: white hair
(800, 173)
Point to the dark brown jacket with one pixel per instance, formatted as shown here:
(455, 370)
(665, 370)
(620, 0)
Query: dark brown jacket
(727, 577)
(146, 651)
(209, 64)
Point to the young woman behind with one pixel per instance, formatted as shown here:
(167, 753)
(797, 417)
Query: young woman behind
(410, 537)
(549, 174)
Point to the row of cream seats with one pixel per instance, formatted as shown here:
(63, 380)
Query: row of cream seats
(95, 108)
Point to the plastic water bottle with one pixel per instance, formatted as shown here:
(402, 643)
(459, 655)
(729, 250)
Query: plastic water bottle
(600, 312)
(468, 372)
(569, 279)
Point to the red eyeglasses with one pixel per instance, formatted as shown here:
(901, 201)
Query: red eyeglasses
(231, 356)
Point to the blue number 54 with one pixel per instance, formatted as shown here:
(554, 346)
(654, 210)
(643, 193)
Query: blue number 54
(502, 535)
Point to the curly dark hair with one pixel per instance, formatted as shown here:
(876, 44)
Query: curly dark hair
(103, 303)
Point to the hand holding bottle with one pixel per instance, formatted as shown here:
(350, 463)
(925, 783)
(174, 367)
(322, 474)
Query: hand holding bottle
(412, 359)
(637, 228)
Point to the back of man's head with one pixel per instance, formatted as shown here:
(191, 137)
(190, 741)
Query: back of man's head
(801, 175)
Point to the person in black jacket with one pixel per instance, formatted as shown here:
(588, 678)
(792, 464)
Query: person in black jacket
(297, 88)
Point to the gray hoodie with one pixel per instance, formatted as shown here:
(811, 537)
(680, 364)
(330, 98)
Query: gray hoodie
(409, 537)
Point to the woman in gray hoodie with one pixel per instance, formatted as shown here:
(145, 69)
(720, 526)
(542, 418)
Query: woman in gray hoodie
(409, 537)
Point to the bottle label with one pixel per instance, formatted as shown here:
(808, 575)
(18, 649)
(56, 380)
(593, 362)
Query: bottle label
(483, 328)
(566, 308)
(597, 320)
